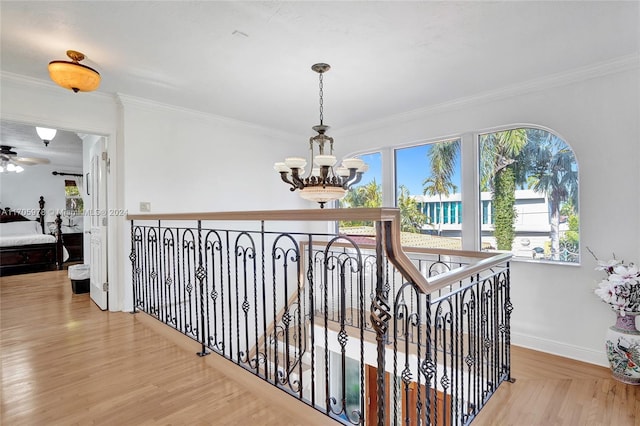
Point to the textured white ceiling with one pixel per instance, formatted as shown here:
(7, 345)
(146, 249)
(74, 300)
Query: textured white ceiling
(251, 60)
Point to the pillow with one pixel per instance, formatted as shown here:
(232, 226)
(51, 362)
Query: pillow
(20, 228)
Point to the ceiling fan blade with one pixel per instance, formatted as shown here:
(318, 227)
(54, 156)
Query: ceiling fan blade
(30, 161)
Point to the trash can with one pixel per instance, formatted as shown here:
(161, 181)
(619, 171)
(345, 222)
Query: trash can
(80, 278)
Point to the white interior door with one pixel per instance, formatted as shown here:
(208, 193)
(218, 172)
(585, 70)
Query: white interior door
(97, 184)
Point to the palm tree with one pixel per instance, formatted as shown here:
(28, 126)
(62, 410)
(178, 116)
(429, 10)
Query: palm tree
(371, 194)
(368, 195)
(499, 171)
(556, 176)
(411, 218)
(442, 157)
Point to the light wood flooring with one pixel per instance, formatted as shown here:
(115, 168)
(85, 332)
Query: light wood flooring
(64, 362)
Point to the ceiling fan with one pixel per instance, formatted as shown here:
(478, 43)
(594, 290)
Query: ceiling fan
(10, 162)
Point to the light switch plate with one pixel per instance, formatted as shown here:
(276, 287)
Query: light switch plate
(145, 206)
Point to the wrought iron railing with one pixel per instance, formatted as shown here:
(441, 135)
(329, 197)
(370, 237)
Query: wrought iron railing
(366, 334)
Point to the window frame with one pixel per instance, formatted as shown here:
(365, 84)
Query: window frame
(471, 217)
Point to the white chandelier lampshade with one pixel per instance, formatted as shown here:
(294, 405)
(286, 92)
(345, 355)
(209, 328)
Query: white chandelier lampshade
(46, 134)
(324, 183)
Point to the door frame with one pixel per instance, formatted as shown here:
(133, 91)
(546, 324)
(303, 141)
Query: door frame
(116, 223)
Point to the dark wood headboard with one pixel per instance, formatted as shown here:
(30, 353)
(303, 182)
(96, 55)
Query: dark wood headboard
(7, 215)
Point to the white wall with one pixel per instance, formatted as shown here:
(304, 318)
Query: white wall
(186, 161)
(21, 191)
(555, 308)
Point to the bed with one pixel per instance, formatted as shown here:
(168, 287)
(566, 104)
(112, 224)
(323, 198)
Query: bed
(27, 245)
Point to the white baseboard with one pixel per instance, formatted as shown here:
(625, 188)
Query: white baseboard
(560, 349)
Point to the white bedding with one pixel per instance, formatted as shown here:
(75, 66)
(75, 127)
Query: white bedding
(24, 234)
(24, 240)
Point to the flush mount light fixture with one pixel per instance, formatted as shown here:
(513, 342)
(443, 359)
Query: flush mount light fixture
(323, 183)
(73, 75)
(46, 134)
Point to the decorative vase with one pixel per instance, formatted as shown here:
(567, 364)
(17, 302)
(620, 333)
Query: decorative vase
(623, 348)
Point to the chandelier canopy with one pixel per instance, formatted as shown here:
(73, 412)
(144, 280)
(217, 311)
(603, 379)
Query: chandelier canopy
(323, 183)
(73, 75)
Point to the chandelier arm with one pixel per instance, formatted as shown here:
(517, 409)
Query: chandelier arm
(295, 176)
(324, 173)
(284, 177)
(354, 178)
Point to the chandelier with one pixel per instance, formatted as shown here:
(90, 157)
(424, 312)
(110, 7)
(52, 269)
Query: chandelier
(73, 75)
(324, 183)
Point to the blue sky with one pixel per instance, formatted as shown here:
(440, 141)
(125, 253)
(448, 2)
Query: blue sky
(412, 167)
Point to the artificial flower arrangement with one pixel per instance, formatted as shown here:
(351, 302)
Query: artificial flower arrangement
(621, 287)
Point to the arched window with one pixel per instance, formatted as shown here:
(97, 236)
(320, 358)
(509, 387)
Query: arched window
(529, 194)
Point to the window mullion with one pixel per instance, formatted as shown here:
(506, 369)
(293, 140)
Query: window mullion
(470, 158)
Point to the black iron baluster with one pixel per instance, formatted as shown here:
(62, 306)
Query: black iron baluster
(255, 299)
(312, 314)
(133, 257)
(201, 276)
(325, 295)
(300, 324)
(229, 354)
(508, 308)
(380, 318)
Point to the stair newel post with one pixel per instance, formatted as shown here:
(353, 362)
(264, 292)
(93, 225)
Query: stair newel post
(380, 317)
(201, 276)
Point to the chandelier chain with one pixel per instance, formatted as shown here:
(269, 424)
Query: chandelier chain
(321, 103)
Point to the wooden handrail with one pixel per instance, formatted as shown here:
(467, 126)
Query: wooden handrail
(454, 276)
(376, 214)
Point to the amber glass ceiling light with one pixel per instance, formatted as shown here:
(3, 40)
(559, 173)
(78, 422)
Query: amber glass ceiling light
(323, 183)
(73, 75)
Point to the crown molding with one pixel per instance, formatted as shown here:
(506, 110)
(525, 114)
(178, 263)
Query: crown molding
(49, 86)
(617, 65)
(123, 100)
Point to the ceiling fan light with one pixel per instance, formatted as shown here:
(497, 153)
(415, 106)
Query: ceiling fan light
(72, 75)
(11, 167)
(19, 169)
(45, 133)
